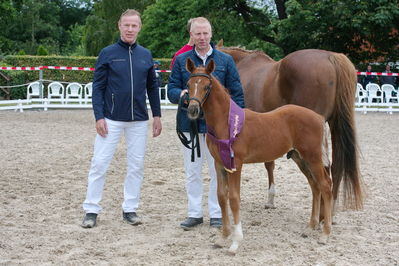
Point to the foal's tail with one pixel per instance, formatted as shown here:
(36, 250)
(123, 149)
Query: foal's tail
(345, 151)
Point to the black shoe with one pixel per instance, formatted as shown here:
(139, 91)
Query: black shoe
(216, 222)
(131, 218)
(191, 222)
(89, 221)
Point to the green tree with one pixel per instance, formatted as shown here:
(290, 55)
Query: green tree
(26, 24)
(164, 26)
(41, 50)
(365, 30)
(8, 15)
(336, 25)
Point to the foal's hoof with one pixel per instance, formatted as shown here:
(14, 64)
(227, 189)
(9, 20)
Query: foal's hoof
(269, 206)
(220, 242)
(233, 249)
(217, 246)
(323, 239)
(307, 232)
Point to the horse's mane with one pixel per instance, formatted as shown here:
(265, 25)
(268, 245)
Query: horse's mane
(215, 80)
(249, 52)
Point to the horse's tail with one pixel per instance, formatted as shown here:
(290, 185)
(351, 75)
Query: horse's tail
(345, 151)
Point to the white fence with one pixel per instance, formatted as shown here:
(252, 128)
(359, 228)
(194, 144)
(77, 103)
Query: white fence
(63, 103)
(361, 105)
(45, 104)
(377, 107)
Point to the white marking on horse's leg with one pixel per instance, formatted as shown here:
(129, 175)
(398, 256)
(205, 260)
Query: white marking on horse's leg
(270, 197)
(237, 236)
(324, 146)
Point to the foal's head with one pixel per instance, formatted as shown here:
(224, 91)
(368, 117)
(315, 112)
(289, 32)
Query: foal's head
(199, 86)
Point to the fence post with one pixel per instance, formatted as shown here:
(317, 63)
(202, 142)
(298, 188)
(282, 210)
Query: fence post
(45, 104)
(21, 109)
(41, 83)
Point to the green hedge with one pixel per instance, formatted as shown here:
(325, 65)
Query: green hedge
(18, 77)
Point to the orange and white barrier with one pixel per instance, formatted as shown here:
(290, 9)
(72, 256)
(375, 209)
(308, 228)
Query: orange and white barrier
(377, 74)
(58, 68)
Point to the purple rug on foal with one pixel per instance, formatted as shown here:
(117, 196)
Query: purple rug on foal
(236, 121)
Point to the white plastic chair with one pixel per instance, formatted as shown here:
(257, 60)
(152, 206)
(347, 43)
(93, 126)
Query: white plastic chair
(163, 92)
(74, 90)
(55, 90)
(34, 90)
(387, 89)
(374, 92)
(361, 94)
(88, 91)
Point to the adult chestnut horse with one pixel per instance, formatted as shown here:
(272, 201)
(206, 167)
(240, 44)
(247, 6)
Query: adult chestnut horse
(237, 136)
(319, 80)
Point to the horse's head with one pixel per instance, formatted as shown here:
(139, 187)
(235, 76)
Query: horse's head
(199, 86)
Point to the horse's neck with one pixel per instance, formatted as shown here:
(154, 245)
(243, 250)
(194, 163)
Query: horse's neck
(239, 56)
(216, 110)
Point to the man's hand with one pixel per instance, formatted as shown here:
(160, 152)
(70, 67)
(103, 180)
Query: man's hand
(156, 126)
(183, 92)
(101, 127)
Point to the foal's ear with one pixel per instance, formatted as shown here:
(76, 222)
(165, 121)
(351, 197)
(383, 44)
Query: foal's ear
(219, 44)
(210, 67)
(190, 65)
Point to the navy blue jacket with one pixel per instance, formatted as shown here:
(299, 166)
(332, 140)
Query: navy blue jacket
(124, 74)
(225, 71)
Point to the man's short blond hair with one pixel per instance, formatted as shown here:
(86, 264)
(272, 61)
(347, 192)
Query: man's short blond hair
(199, 20)
(130, 12)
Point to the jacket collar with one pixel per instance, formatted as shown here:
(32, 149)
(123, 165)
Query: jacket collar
(126, 45)
(210, 56)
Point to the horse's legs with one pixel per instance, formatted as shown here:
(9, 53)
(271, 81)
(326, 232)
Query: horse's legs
(324, 185)
(271, 192)
(234, 181)
(321, 217)
(314, 217)
(223, 191)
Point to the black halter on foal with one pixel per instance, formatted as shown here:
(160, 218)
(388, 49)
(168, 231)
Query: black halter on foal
(190, 143)
(207, 88)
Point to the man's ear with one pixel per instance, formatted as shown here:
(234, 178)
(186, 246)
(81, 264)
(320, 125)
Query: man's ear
(219, 44)
(190, 65)
(210, 67)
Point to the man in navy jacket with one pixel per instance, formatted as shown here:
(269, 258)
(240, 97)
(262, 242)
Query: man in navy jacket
(124, 75)
(227, 74)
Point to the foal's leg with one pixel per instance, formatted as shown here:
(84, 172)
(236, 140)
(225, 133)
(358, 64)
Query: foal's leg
(234, 181)
(324, 184)
(316, 196)
(271, 192)
(222, 191)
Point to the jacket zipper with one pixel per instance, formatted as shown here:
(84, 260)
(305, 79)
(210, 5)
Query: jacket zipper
(131, 77)
(113, 104)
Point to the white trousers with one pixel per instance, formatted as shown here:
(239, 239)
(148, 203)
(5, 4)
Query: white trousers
(194, 180)
(136, 139)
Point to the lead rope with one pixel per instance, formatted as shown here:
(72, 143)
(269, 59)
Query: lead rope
(193, 130)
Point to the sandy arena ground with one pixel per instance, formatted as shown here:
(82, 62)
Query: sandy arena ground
(44, 161)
